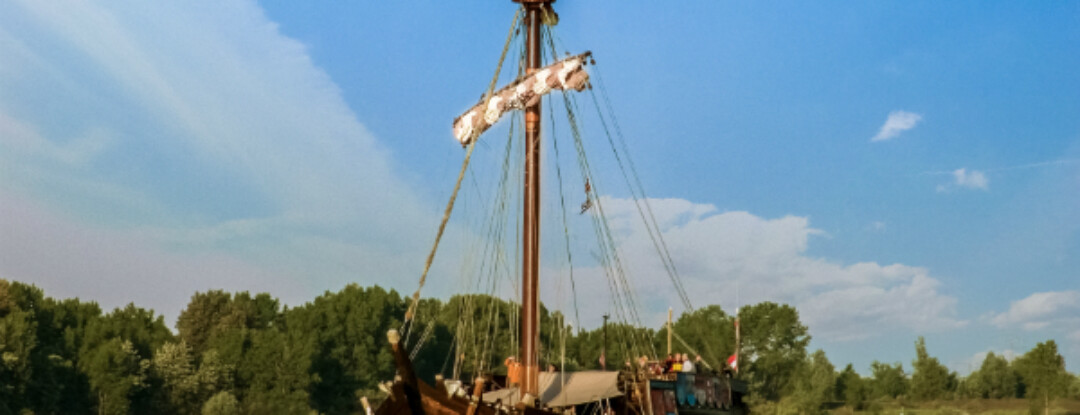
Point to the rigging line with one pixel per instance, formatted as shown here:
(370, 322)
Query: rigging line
(423, 338)
(598, 223)
(633, 170)
(562, 202)
(490, 333)
(616, 275)
(461, 175)
(614, 269)
(494, 227)
(651, 227)
(691, 349)
(605, 245)
(604, 237)
(446, 362)
(494, 231)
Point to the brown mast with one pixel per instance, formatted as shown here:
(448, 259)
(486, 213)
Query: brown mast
(530, 316)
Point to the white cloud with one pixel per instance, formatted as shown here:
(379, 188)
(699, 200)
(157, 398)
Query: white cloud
(963, 178)
(898, 122)
(971, 180)
(767, 259)
(183, 147)
(877, 227)
(1060, 309)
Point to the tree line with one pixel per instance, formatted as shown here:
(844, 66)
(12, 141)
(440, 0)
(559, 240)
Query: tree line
(237, 353)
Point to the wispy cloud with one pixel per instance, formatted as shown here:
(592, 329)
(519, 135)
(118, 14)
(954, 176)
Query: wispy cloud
(877, 227)
(965, 179)
(174, 136)
(1049, 163)
(898, 122)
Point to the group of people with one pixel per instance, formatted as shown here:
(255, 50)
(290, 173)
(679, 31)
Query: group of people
(675, 363)
(680, 362)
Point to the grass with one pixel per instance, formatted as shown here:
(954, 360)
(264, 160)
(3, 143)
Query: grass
(963, 406)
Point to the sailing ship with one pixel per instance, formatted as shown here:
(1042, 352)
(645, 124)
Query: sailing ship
(637, 389)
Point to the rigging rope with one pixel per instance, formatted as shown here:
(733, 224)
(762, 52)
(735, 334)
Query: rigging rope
(619, 285)
(562, 203)
(691, 349)
(622, 293)
(651, 225)
(461, 176)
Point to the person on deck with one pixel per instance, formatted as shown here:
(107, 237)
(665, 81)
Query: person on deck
(687, 366)
(670, 361)
(513, 372)
(676, 366)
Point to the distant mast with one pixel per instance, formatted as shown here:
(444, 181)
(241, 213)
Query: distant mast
(669, 331)
(530, 305)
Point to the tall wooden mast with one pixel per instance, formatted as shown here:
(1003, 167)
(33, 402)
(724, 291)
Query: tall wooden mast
(530, 304)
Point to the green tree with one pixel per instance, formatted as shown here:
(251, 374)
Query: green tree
(276, 371)
(213, 312)
(930, 379)
(1074, 387)
(115, 355)
(774, 345)
(347, 335)
(707, 330)
(815, 384)
(222, 403)
(995, 379)
(851, 388)
(888, 381)
(17, 341)
(116, 374)
(174, 366)
(184, 387)
(41, 339)
(1042, 371)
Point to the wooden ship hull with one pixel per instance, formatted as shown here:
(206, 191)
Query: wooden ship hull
(618, 393)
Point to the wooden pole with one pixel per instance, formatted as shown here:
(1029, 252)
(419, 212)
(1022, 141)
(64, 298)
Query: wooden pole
(738, 340)
(530, 303)
(603, 352)
(669, 331)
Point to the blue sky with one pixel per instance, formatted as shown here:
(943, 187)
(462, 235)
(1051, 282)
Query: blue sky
(892, 169)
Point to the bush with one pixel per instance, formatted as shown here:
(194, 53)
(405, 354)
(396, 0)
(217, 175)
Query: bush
(224, 403)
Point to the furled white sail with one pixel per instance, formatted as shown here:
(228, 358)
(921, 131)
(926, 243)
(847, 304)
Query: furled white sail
(566, 74)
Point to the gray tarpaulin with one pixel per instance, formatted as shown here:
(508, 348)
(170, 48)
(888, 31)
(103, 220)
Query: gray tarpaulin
(564, 389)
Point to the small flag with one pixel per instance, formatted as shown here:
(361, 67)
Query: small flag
(603, 365)
(733, 362)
